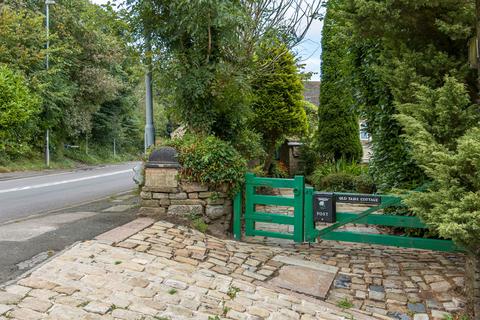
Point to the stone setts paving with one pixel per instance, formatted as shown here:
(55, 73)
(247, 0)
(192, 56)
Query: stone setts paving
(172, 272)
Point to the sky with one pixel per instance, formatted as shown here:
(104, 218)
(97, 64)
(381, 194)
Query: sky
(308, 50)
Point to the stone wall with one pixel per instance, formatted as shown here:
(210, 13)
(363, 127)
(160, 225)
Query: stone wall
(165, 196)
(472, 271)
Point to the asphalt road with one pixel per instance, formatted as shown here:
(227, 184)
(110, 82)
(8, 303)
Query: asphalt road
(28, 196)
(43, 213)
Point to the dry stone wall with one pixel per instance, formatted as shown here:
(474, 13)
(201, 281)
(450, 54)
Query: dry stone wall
(165, 195)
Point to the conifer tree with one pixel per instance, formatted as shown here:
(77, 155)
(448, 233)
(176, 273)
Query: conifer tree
(278, 98)
(338, 129)
(443, 128)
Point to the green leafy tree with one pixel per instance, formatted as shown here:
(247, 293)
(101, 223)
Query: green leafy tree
(18, 108)
(89, 50)
(21, 42)
(203, 52)
(338, 129)
(393, 44)
(278, 104)
(199, 56)
(93, 74)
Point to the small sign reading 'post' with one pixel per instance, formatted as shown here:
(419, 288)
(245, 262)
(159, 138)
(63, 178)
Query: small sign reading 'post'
(358, 198)
(324, 207)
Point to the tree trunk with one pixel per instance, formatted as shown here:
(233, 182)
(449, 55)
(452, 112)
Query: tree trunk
(269, 158)
(472, 284)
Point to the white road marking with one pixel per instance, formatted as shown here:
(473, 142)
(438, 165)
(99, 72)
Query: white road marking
(43, 185)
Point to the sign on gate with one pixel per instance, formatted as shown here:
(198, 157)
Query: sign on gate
(358, 198)
(324, 207)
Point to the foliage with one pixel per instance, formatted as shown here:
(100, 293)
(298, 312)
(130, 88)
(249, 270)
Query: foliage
(18, 108)
(342, 176)
(309, 155)
(199, 224)
(386, 54)
(451, 206)
(88, 90)
(311, 111)
(342, 165)
(365, 184)
(33, 162)
(338, 129)
(337, 182)
(97, 155)
(22, 40)
(345, 182)
(211, 161)
(278, 100)
(249, 143)
(206, 54)
(345, 304)
(200, 59)
(278, 170)
(232, 292)
(445, 113)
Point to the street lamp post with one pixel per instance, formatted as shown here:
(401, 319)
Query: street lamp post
(149, 127)
(47, 26)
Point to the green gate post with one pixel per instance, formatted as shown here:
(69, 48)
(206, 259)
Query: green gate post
(309, 223)
(249, 205)
(237, 216)
(299, 192)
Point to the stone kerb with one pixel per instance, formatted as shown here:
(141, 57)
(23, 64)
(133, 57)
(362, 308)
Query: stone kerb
(165, 195)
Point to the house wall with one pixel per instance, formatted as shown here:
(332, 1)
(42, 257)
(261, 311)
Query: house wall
(311, 92)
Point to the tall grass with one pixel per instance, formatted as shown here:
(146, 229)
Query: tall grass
(71, 158)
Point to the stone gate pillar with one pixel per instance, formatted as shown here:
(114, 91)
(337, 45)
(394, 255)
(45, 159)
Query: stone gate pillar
(166, 196)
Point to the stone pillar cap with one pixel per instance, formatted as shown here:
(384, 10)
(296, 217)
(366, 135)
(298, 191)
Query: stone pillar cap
(165, 157)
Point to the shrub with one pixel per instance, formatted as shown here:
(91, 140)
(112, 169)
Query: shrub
(342, 176)
(211, 161)
(341, 166)
(309, 157)
(444, 131)
(364, 184)
(249, 144)
(338, 182)
(18, 108)
(279, 170)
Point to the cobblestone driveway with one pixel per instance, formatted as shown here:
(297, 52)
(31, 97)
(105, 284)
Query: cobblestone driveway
(171, 272)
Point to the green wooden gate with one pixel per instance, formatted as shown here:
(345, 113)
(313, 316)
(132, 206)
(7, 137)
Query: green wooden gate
(252, 199)
(303, 220)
